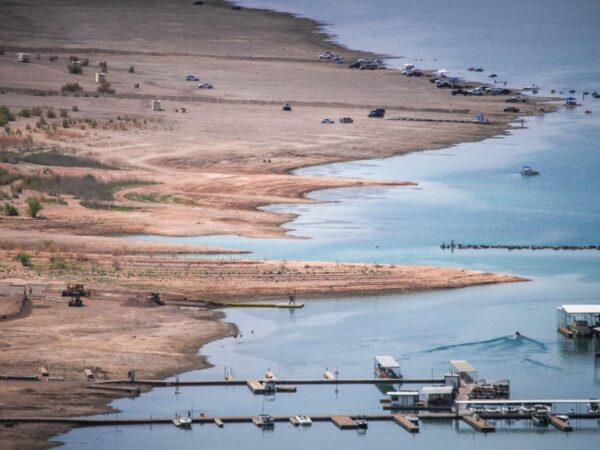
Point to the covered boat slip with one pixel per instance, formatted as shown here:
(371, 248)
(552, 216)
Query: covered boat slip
(578, 320)
(464, 369)
(386, 367)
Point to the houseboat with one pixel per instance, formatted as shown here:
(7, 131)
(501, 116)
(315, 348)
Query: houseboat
(386, 367)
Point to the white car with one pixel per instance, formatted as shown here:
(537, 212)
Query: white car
(326, 120)
(205, 86)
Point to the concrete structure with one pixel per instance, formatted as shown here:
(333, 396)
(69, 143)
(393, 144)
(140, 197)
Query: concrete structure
(156, 105)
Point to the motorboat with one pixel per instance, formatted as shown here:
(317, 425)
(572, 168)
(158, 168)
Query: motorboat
(492, 410)
(531, 87)
(361, 422)
(563, 417)
(541, 415)
(413, 419)
(509, 410)
(266, 421)
(182, 422)
(528, 171)
(526, 409)
(594, 407)
(303, 421)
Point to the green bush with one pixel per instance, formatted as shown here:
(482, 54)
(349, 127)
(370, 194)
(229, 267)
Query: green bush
(50, 114)
(71, 87)
(75, 68)
(34, 206)
(41, 123)
(64, 113)
(105, 88)
(66, 123)
(24, 259)
(36, 111)
(10, 210)
(57, 263)
(24, 113)
(5, 115)
(131, 69)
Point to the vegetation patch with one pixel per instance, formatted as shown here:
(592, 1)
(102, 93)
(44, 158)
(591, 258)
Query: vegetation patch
(154, 197)
(107, 206)
(52, 158)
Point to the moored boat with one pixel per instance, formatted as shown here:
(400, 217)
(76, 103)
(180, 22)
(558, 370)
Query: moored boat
(528, 171)
(303, 421)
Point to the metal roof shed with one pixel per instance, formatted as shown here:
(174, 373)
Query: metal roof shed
(566, 314)
(463, 368)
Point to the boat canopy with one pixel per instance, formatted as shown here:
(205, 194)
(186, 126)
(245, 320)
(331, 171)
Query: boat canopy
(440, 390)
(402, 393)
(462, 366)
(386, 362)
(581, 309)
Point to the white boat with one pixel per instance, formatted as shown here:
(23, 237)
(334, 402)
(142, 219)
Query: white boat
(182, 422)
(526, 409)
(303, 421)
(563, 417)
(541, 416)
(509, 410)
(413, 419)
(528, 171)
(532, 87)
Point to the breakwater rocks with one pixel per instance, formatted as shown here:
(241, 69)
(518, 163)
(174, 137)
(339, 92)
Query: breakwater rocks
(455, 246)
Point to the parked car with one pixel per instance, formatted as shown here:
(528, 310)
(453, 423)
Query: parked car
(354, 65)
(413, 73)
(442, 83)
(287, 107)
(326, 120)
(460, 91)
(377, 113)
(346, 120)
(512, 109)
(192, 78)
(476, 92)
(516, 99)
(369, 66)
(205, 86)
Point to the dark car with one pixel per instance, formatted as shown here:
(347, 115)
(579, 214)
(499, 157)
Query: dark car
(377, 113)
(512, 109)
(354, 65)
(459, 91)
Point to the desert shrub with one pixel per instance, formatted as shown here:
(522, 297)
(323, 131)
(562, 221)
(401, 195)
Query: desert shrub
(25, 112)
(131, 69)
(57, 263)
(7, 177)
(64, 113)
(75, 68)
(10, 210)
(5, 115)
(50, 114)
(75, 108)
(66, 123)
(103, 64)
(85, 62)
(36, 111)
(105, 88)
(41, 123)
(71, 87)
(34, 206)
(24, 259)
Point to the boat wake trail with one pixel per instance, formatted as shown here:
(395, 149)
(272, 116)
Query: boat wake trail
(504, 343)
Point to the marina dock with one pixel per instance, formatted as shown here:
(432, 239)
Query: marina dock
(405, 423)
(479, 424)
(561, 424)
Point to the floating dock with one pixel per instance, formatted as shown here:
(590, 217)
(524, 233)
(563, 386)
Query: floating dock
(405, 423)
(226, 304)
(457, 246)
(479, 424)
(344, 422)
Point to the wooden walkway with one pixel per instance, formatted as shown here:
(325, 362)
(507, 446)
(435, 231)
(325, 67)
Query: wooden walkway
(405, 423)
(479, 424)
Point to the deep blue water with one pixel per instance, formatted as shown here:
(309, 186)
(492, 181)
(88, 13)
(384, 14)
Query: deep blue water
(470, 193)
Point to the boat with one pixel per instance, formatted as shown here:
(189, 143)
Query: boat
(413, 419)
(492, 410)
(303, 421)
(509, 410)
(182, 422)
(266, 421)
(541, 415)
(528, 171)
(361, 422)
(563, 417)
(531, 87)
(526, 409)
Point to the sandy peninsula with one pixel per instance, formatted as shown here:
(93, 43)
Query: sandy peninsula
(105, 164)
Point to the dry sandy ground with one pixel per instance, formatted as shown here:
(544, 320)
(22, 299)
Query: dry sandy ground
(230, 152)
(233, 148)
(111, 334)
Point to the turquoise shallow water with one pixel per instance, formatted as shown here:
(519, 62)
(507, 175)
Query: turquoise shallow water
(469, 193)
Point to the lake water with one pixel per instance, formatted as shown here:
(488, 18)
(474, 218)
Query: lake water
(470, 193)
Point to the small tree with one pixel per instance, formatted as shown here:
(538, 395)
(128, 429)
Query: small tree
(75, 68)
(34, 206)
(50, 114)
(24, 259)
(10, 210)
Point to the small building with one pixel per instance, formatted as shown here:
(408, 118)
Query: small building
(386, 367)
(156, 105)
(463, 369)
(100, 77)
(403, 399)
(437, 395)
(23, 57)
(578, 320)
